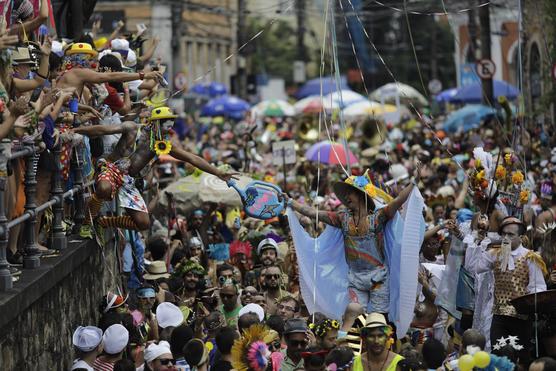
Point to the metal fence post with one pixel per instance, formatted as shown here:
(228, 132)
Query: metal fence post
(58, 240)
(79, 202)
(31, 259)
(6, 282)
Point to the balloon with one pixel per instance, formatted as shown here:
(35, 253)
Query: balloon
(466, 362)
(481, 359)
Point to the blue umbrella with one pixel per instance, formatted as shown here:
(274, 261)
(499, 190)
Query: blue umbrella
(468, 117)
(313, 87)
(201, 89)
(473, 93)
(225, 105)
(216, 89)
(446, 95)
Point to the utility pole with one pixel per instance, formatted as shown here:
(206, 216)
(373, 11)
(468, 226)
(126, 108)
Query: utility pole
(433, 62)
(241, 39)
(300, 10)
(472, 28)
(484, 22)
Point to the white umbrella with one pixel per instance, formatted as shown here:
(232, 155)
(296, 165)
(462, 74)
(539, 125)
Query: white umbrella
(404, 92)
(342, 98)
(260, 108)
(313, 104)
(362, 108)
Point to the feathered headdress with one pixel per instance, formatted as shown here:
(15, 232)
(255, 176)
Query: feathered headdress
(238, 247)
(250, 352)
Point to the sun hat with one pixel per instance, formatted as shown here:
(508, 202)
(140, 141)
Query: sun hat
(362, 184)
(168, 315)
(87, 338)
(20, 56)
(81, 48)
(374, 320)
(114, 301)
(157, 269)
(115, 339)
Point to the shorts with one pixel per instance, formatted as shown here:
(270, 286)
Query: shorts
(110, 173)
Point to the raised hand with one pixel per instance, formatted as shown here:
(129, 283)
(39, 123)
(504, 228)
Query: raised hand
(8, 40)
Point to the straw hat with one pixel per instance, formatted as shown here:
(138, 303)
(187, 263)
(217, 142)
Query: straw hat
(157, 269)
(363, 184)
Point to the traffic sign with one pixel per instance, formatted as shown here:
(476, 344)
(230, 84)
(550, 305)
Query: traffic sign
(435, 86)
(180, 81)
(485, 68)
(284, 150)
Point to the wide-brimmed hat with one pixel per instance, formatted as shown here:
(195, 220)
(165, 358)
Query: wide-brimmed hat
(157, 269)
(374, 320)
(363, 184)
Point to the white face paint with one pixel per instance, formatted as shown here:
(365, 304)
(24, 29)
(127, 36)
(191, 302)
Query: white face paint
(167, 125)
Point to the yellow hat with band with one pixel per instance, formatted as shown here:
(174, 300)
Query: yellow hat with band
(81, 48)
(162, 113)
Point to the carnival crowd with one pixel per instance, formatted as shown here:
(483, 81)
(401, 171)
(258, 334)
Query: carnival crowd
(207, 287)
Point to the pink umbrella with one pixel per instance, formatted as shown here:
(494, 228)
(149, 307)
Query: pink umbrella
(330, 153)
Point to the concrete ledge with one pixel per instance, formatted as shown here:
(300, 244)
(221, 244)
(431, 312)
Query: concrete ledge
(33, 283)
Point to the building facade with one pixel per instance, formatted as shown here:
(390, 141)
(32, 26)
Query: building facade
(197, 37)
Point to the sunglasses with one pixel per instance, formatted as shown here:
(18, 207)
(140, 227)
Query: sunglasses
(298, 343)
(165, 362)
(249, 293)
(272, 276)
(274, 346)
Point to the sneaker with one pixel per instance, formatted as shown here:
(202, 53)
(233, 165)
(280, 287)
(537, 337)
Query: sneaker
(14, 259)
(14, 271)
(86, 231)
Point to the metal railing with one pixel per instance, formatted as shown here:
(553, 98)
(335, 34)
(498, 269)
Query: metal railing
(57, 238)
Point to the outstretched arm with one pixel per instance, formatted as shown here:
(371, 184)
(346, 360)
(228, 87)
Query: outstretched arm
(99, 130)
(199, 162)
(311, 212)
(90, 76)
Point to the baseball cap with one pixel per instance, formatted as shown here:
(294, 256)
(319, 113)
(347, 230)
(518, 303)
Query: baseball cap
(115, 339)
(87, 338)
(295, 325)
(267, 243)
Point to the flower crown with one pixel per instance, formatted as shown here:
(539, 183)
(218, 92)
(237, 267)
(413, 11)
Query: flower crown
(372, 187)
(186, 266)
(320, 329)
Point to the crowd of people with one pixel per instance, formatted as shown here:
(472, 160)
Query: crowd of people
(210, 288)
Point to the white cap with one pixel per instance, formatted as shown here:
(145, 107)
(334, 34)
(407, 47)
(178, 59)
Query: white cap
(87, 338)
(267, 242)
(115, 339)
(154, 351)
(167, 314)
(119, 44)
(195, 241)
(398, 172)
(252, 308)
(131, 59)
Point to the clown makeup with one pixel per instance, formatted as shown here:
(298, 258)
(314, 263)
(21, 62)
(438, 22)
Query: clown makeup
(166, 125)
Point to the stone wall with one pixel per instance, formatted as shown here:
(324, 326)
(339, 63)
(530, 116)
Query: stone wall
(38, 317)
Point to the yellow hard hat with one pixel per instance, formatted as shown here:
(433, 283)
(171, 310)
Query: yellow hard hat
(81, 48)
(162, 113)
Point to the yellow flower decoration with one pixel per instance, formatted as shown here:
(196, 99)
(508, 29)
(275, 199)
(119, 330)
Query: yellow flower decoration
(480, 175)
(524, 196)
(209, 345)
(477, 163)
(517, 178)
(508, 158)
(501, 172)
(162, 147)
(370, 189)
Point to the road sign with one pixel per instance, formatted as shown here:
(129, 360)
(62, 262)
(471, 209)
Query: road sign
(283, 151)
(435, 86)
(180, 81)
(485, 68)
